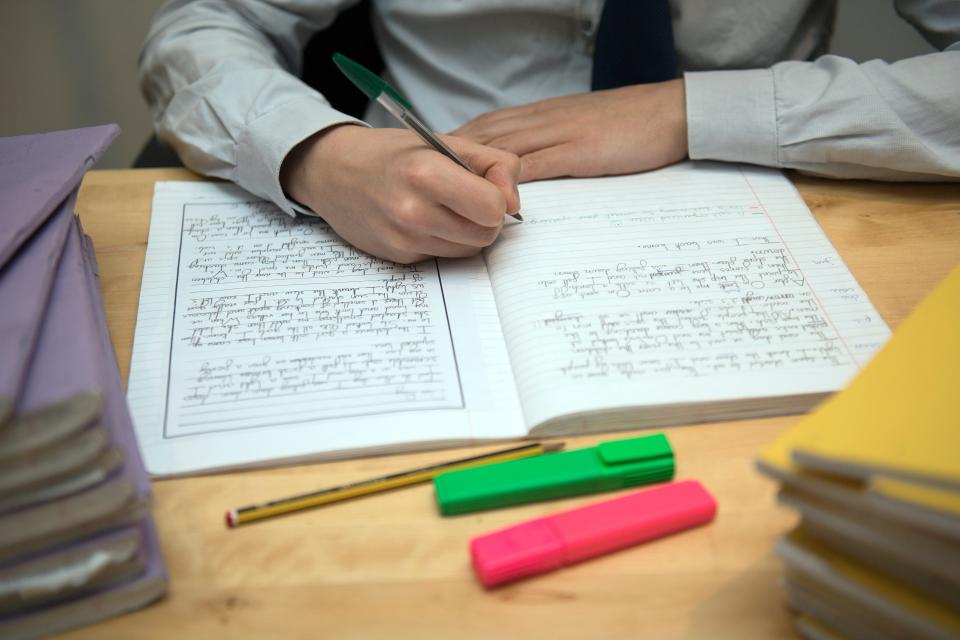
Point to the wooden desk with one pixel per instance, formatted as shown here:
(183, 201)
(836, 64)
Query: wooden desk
(388, 566)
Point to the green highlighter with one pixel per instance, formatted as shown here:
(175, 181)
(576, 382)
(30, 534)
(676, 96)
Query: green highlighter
(608, 466)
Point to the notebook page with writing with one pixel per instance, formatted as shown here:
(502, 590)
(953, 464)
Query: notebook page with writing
(700, 291)
(262, 338)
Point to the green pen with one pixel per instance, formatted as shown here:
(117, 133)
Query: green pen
(376, 88)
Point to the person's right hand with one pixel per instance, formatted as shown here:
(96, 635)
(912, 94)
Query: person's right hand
(388, 193)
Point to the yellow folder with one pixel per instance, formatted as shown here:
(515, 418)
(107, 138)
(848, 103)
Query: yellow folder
(900, 417)
(855, 589)
(922, 495)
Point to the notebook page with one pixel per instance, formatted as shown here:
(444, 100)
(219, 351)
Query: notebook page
(263, 338)
(697, 283)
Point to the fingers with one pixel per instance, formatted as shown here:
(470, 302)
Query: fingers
(418, 218)
(527, 140)
(446, 249)
(544, 143)
(552, 162)
(452, 227)
(506, 178)
(493, 124)
(438, 208)
(407, 248)
(475, 199)
(520, 137)
(498, 168)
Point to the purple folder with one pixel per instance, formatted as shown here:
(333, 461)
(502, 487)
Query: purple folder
(54, 332)
(39, 175)
(141, 581)
(36, 174)
(25, 284)
(74, 354)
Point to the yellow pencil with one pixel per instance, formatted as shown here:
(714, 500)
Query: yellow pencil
(237, 517)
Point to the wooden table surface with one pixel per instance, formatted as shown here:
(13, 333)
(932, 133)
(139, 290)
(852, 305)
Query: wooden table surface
(389, 566)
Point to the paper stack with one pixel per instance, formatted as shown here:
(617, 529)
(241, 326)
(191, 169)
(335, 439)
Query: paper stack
(875, 476)
(76, 540)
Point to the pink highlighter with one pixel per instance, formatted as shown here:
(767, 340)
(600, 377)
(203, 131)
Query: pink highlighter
(548, 543)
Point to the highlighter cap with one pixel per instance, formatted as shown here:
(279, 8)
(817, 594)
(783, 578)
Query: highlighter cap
(524, 550)
(545, 544)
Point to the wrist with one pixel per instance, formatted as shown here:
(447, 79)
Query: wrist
(672, 115)
(298, 171)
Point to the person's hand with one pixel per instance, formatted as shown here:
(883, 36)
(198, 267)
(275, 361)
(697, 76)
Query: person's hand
(386, 192)
(617, 131)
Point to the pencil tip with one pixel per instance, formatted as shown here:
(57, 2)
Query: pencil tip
(550, 447)
(517, 216)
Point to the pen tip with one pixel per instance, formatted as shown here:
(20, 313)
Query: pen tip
(516, 216)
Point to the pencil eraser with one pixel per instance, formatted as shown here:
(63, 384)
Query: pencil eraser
(551, 542)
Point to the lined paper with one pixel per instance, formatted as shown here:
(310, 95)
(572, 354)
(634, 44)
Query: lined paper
(694, 284)
(267, 328)
(700, 291)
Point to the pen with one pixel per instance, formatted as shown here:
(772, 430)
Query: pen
(237, 517)
(376, 88)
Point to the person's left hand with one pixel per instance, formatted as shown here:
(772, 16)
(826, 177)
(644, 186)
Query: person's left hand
(611, 132)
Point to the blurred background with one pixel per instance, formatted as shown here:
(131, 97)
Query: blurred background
(72, 63)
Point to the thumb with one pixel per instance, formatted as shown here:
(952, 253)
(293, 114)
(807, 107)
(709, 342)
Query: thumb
(501, 168)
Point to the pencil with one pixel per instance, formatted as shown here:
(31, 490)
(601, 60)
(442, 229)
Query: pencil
(244, 515)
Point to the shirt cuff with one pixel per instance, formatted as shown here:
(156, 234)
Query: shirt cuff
(266, 141)
(732, 116)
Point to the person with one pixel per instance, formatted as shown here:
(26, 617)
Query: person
(512, 81)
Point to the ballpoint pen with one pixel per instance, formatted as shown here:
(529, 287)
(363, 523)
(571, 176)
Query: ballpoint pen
(376, 88)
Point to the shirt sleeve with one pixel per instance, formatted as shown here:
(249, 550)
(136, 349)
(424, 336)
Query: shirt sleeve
(836, 118)
(219, 76)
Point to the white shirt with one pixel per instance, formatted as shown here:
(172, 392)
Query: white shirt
(221, 79)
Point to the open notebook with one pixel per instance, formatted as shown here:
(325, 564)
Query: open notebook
(697, 292)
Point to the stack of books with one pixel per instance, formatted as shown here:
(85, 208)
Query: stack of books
(875, 477)
(77, 543)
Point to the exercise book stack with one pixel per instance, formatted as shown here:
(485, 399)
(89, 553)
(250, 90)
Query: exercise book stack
(875, 477)
(77, 543)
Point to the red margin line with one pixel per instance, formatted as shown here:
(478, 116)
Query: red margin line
(806, 280)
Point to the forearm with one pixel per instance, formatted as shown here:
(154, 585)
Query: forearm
(833, 117)
(219, 77)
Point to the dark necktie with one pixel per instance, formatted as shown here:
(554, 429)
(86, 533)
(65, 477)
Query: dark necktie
(634, 44)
